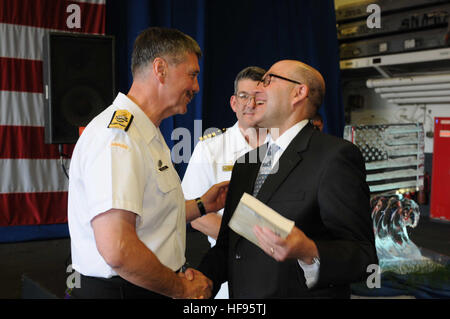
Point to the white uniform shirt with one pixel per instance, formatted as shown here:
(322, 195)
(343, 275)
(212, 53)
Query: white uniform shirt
(131, 170)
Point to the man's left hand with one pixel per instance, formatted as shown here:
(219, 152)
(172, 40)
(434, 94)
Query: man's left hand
(295, 246)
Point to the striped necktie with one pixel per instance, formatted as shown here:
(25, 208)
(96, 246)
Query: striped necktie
(266, 167)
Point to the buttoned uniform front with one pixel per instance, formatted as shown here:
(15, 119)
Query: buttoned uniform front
(130, 170)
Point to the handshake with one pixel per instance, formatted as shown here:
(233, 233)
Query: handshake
(195, 284)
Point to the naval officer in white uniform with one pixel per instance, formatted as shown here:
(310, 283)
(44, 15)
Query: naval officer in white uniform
(127, 213)
(214, 155)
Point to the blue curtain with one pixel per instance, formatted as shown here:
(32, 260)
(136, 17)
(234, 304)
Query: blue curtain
(234, 34)
(126, 19)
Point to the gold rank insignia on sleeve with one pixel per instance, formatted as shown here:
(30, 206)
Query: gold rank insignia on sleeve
(212, 134)
(121, 119)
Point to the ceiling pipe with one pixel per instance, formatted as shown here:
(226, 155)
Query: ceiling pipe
(415, 94)
(422, 79)
(406, 88)
(421, 100)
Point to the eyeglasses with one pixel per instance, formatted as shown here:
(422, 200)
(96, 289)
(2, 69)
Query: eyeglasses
(244, 98)
(268, 78)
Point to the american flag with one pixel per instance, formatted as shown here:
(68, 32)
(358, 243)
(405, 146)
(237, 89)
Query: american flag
(33, 187)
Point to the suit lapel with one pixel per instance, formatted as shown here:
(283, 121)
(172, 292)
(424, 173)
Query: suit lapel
(246, 174)
(288, 161)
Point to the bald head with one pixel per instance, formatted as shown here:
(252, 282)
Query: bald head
(309, 76)
(290, 92)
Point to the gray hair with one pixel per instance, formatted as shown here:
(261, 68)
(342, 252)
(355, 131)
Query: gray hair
(254, 73)
(157, 42)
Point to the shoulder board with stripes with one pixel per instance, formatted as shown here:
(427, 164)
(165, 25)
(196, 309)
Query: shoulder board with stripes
(121, 119)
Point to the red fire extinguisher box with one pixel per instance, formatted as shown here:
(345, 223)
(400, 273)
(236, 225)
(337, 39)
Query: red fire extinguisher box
(440, 181)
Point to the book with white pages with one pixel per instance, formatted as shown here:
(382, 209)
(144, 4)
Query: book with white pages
(250, 212)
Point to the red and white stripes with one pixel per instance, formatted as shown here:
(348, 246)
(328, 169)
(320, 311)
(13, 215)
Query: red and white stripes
(33, 188)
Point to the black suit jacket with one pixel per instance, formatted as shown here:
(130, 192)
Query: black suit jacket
(321, 185)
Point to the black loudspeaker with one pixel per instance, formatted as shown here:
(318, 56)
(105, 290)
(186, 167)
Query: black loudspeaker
(79, 82)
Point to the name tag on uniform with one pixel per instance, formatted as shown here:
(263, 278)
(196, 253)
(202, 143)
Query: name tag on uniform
(227, 168)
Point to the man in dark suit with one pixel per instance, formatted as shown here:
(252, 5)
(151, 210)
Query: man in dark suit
(317, 180)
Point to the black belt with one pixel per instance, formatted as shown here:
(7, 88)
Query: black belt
(111, 288)
(114, 288)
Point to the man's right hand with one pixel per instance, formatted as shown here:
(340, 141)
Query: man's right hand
(196, 285)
